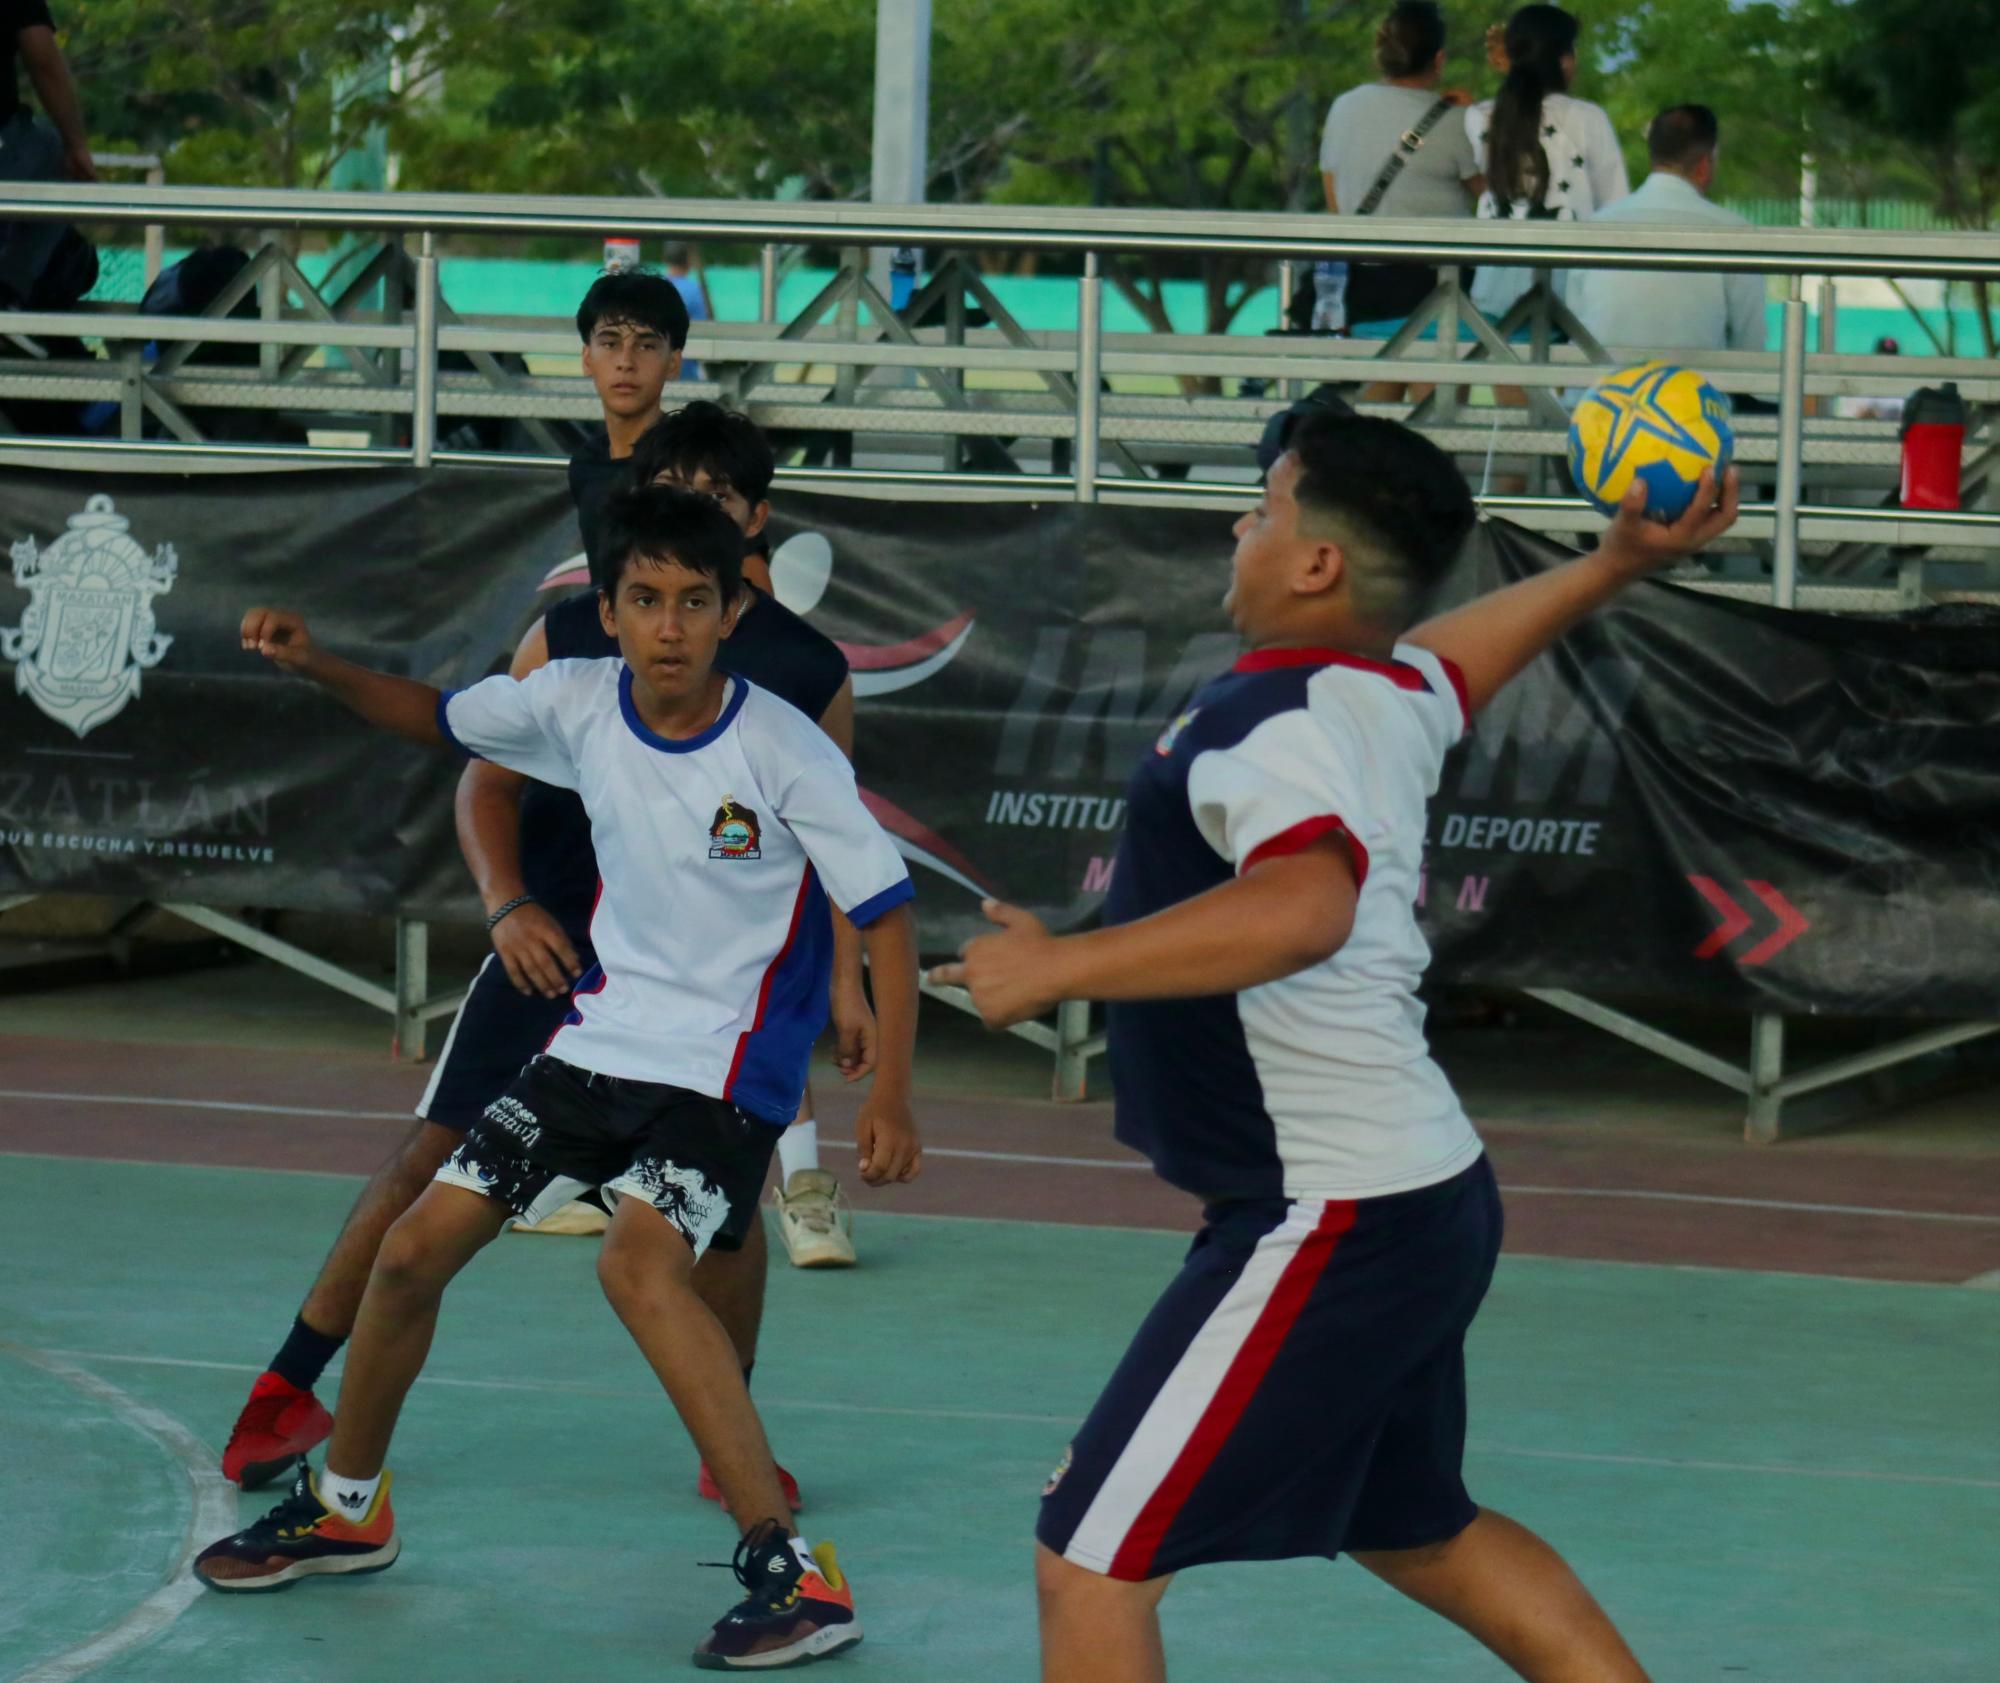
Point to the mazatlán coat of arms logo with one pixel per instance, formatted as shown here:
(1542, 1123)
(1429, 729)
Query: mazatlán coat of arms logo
(89, 630)
(734, 834)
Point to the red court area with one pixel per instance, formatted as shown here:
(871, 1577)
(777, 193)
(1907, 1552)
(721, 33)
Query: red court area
(1876, 1205)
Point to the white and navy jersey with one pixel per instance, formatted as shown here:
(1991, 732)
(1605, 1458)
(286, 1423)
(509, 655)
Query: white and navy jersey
(716, 857)
(1319, 1085)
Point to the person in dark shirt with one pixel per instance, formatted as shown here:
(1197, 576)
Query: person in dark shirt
(634, 328)
(31, 150)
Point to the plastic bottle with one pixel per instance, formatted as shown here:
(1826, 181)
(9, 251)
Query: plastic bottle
(621, 254)
(1329, 297)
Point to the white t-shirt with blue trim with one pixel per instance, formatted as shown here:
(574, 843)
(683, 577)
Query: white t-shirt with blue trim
(716, 855)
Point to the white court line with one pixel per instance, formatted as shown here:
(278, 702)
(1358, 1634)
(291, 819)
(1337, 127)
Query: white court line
(1772, 1469)
(212, 1514)
(1129, 1164)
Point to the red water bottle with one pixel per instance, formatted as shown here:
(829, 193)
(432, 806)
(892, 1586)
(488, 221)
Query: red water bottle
(1933, 436)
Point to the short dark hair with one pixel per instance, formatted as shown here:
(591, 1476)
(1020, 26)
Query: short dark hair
(1409, 39)
(1681, 136)
(638, 298)
(1397, 499)
(704, 437)
(665, 523)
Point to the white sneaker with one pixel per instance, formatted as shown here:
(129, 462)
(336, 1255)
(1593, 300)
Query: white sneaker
(577, 1217)
(814, 1219)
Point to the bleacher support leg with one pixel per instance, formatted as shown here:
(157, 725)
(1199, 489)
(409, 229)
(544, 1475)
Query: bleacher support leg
(1073, 1049)
(1767, 1070)
(413, 986)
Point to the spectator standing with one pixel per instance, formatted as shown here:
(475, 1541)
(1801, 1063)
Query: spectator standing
(1398, 147)
(1546, 156)
(31, 150)
(1660, 310)
(680, 270)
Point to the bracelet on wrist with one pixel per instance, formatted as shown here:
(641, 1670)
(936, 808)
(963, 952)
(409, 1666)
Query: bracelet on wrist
(513, 905)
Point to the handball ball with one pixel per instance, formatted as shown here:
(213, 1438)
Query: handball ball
(1655, 423)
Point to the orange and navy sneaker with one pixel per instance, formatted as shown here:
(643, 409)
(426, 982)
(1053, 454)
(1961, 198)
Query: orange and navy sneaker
(799, 1606)
(278, 1424)
(709, 1491)
(299, 1538)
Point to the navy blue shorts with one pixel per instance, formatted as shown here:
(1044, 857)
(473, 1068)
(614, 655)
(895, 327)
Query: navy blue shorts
(497, 1030)
(1298, 1390)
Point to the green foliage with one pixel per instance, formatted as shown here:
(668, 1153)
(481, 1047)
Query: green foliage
(272, 93)
(1926, 79)
(1194, 104)
(1747, 62)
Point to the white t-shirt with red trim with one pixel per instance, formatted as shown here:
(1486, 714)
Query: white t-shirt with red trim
(1321, 1084)
(717, 855)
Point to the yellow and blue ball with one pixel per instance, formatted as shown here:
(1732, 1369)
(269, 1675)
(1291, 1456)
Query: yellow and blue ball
(1656, 423)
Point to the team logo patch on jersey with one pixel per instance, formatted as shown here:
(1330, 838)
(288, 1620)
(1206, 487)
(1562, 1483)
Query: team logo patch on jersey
(1172, 733)
(734, 833)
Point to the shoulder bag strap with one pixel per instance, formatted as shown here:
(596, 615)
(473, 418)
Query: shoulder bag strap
(1406, 149)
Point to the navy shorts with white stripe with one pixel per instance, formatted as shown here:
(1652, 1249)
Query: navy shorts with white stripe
(1298, 1390)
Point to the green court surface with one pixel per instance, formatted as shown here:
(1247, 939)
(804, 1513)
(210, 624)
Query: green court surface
(1763, 1476)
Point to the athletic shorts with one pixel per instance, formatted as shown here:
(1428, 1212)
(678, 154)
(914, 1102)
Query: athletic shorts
(559, 1131)
(497, 1030)
(1298, 1390)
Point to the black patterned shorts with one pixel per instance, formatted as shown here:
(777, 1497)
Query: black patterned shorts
(559, 1130)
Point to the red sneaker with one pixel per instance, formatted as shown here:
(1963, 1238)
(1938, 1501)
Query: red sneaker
(278, 1424)
(706, 1487)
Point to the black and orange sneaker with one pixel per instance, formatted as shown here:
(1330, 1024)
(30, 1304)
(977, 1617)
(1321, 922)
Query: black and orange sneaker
(799, 1607)
(278, 1424)
(300, 1538)
(709, 1491)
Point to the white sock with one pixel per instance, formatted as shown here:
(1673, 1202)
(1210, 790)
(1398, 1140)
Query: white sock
(798, 1148)
(348, 1497)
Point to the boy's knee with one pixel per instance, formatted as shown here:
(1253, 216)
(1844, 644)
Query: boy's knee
(407, 1263)
(630, 1274)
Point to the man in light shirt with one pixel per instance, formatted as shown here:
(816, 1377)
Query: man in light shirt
(1660, 310)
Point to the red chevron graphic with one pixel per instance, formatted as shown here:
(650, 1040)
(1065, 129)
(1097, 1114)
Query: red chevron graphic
(1790, 924)
(1735, 920)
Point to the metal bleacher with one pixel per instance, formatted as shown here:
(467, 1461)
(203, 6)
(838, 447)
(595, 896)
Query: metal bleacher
(952, 398)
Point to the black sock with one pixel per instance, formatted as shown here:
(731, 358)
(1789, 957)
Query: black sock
(304, 1355)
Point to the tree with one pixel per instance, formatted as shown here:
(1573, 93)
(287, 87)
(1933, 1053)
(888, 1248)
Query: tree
(1750, 63)
(1916, 76)
(274, 93)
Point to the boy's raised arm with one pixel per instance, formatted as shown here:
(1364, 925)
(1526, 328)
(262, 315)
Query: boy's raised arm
(402, 705)
(1492, 639)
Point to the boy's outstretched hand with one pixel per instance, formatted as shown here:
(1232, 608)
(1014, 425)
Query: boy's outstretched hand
(1010, 973)
(280, 636)
(1635, 546)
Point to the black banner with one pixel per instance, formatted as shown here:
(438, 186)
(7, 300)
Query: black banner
(1693, 799)
(144, 753)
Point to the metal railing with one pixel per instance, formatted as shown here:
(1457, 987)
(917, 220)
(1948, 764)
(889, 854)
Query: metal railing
(395, 377)
(395, 386)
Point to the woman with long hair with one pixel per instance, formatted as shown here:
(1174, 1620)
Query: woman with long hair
(1544, 153)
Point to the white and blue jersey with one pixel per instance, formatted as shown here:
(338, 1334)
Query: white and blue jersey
(1319, 1085)
(717, 855)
